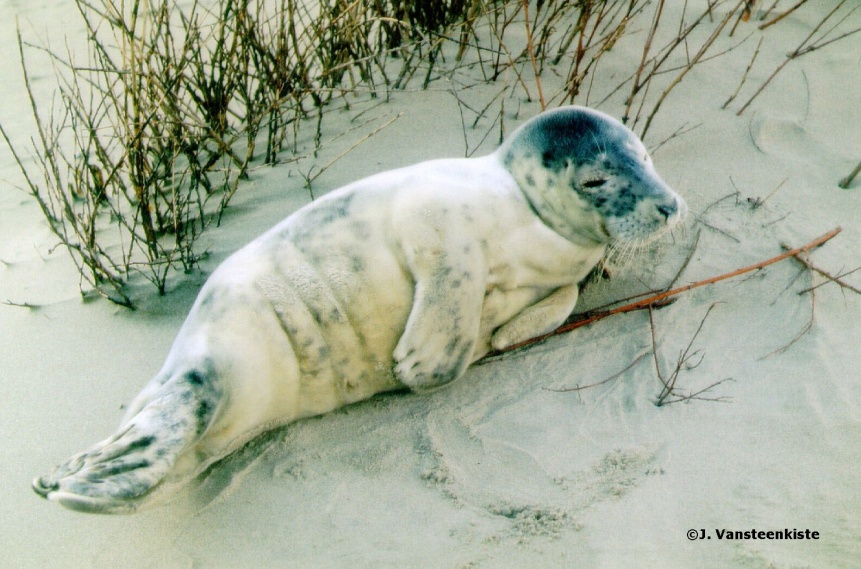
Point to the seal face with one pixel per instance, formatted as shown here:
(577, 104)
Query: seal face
(399, 280)
(615, 193)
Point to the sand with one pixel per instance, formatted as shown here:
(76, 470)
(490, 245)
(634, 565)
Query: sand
(501, 469)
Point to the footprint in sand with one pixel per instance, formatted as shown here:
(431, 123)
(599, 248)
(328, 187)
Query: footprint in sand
(780, 136)
(508, 481)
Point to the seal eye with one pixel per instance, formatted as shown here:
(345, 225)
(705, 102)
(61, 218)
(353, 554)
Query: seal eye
(596, 183)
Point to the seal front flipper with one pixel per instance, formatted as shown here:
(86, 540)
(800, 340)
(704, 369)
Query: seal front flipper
(540, 318)
(117, 474)
(442, 329)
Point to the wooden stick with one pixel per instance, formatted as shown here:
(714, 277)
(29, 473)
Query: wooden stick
(663, 296)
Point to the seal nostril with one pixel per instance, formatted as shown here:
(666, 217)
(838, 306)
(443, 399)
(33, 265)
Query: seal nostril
(667, 210)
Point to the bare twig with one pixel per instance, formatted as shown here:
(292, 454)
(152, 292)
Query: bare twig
(637, 360)
(358, 143)
(691, 64)
(756, 203)
(765, 13)
(531, 47)
(683, 362)
(807, 325)
(734, 194)
(744, 75)
(782, 16)
(647, 46)
(803, 48)
(21, 304)
(678, 132)
(831, 278)
(687, 260)
(844, 183)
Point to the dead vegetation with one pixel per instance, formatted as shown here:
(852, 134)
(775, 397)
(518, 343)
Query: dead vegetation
(149, 139)
(689, 359)
(828, 31)
(150, 135)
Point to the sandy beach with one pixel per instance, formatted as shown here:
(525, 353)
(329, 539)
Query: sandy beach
(508, 466)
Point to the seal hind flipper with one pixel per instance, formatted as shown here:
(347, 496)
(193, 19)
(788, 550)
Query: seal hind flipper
(119, 473)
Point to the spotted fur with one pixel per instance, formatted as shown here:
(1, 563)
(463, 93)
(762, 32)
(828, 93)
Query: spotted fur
(400, 279)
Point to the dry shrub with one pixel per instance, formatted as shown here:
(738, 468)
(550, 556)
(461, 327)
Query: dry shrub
(147, 142)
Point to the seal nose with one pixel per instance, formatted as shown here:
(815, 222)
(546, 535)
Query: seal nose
(667, 210)
(675, 208)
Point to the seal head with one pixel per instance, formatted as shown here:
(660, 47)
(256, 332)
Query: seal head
(590, 178)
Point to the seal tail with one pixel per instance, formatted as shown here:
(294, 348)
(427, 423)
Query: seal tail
(121, 472)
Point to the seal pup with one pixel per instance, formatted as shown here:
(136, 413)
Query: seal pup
(401, 279)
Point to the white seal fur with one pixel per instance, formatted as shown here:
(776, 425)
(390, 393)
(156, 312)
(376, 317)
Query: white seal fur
(400, 279)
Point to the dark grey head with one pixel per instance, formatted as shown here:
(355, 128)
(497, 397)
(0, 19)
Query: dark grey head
(589, 177)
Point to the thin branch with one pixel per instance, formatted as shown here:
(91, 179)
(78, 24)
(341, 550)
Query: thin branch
(696, 59)
(687, 261)
(678, 132)
(310, 179)
(844, 183)
(21, 304)
(637, 360)
(669, 384)
(756, 202)
(734, 194)
(647, 45)
(696, 395)
(804, 329)
(531, 48)
(799, 51)
(744, 75)
(782, 16)
(830, 277)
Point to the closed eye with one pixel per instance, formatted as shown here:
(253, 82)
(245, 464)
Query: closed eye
(596, 183)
